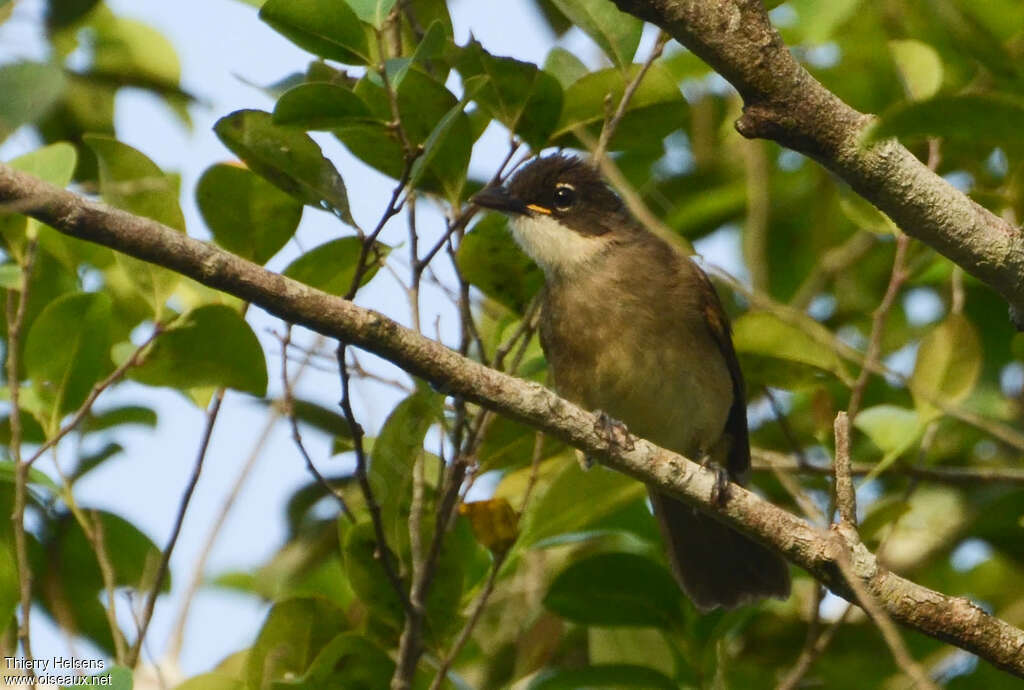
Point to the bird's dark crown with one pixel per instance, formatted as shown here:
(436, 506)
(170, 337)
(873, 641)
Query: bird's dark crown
(563, 187)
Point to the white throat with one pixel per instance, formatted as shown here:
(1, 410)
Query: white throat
(555, 248)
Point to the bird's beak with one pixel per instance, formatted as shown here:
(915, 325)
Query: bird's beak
(499, 199)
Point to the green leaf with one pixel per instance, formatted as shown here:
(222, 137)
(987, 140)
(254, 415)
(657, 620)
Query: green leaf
(919, 66)
(54, 163)
(564, 66)
(246, 214)
(131, 181)
(616, 589)
(30, 90)
(602, 676)
(617, 33)
(373, 12)
(67, 351)
(71, 567)
(763, 337)
(116, 677)
(366, 575)
(293, 634)
(35, 477)
(986, 118)
(286, 157)
(212, 681)
(328, 28)
(819, 20)
(319, 105)
(440, 133)
(948, 364)
(350, 660)
(656, 108)
(576, 500)
(209, 346)
(522, 97)
(129, 51)
(491, 261)
(331, 267)
(894, 429)
(117, 416)
(395, 451)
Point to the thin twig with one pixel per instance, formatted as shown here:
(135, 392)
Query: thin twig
(273, 415)
(878, 318)
(882, 621)
(97, 389)
(165, 559)
(846, 495)
(768, 460)
(16, 321)
(383, 551)
(627, 95)
(813, 650)
(288, 402)
(467, 629)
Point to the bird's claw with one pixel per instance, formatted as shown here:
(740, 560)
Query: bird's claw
(615, 433)
(720, 489)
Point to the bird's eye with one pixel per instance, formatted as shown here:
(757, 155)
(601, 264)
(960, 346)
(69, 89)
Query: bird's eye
(565, 196)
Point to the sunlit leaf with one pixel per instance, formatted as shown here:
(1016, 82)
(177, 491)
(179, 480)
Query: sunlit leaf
(209, 346)
(764, 336)
(948, 364)
(617, 33)
(323, 27)
(920, 67)
(286, 157)
(30, 89)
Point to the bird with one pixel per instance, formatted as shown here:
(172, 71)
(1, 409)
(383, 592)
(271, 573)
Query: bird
(634, 329)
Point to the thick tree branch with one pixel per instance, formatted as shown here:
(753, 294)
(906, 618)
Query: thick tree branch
(783, 102)
(951, 619)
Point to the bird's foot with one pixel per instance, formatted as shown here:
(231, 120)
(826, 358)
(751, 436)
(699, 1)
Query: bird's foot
(615, 433)
(720, 489)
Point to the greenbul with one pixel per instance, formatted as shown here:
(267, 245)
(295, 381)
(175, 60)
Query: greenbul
(635, 329)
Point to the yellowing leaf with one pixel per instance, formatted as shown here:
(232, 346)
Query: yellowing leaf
(948, 364)
(495, 523)
(919, 67)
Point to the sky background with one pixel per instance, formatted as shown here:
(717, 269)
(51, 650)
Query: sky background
(224, 49)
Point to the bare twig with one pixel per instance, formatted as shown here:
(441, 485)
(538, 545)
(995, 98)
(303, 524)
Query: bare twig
(97, 389)
(846, 494)
(814, 648)
(288, 402)
(755, 234)
(881, 619)
(878, 318)
(179, 519)
(950, 619)
(627, 95)
(767, 460)
(467, 629)
(15, 323)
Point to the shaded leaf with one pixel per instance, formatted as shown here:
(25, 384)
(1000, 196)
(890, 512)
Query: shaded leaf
(602, 676)
(293, 634)
(373, 12)
(286, 157)
(494, 521)
(246, 214)
(349, 661)
(323, 27)
(491, 261)
(948, 363)
(331, 267)
(615, 589)
(117, 416)
(979, 117)
(67, 351)
(564, 66)
(395, 451)
(211, 345)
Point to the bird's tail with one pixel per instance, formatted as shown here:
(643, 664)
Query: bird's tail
(714, 564)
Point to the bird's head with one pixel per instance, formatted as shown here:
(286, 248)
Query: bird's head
(561, 212)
